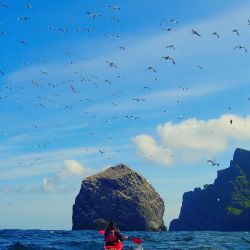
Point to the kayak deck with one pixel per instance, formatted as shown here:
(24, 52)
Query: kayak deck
(117, 246)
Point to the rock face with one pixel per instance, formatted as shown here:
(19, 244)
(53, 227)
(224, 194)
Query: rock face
(222, 206)
(121, 195)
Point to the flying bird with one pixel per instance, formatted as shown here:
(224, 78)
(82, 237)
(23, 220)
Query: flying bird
(4, 5)
(165, 20)
(23, 18)
(194, 32)
(173, 21)
(28, 6)
(169, 29)
(171, 47)
(107, 81)
(114, 18)
(111, 64)
(216, 34)
(236, 31)
(240, 47)
(23, 42)
(93, 15)
(213, 163)
(114, 7)
(138, 100)
(151, 68)
(168, 58)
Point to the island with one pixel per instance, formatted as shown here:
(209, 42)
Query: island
(118, 194)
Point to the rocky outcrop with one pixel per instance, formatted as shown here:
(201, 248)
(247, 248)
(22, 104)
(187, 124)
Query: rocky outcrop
(222, 206)
(121, 195)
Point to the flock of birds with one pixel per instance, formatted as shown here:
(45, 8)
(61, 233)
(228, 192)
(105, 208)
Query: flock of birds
(74, 86)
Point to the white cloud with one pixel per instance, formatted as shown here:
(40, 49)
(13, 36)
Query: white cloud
(194, 139)
(71, 168)
(148, 147)
(65, 180)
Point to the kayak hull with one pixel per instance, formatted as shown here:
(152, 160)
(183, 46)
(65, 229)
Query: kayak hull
(116, 246)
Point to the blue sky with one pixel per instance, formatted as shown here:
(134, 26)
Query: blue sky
(66, 112)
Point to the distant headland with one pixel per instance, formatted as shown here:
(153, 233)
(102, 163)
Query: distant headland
(222, 206)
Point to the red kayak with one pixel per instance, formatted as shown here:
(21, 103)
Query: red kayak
(116, 246)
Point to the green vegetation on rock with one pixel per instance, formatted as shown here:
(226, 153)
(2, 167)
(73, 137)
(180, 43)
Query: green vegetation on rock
(233, 210)
(240, 194)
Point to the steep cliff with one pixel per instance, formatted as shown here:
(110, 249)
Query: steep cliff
(224, 205)
(121, 195)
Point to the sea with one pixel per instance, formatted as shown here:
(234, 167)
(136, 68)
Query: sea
(92, 240)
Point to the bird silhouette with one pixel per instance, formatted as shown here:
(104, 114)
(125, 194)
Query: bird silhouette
(114, 7)
(151, 68)
(4, 5)
(173, 21)
(216, 34)
(23, 18)
(194, 32)
(169, 29)
(28, 6)
(240, 47)
(236, 31)
(213, 163)
(23, 42)
(93, 15)
(170, 46)
(111, 64)
(168, 58)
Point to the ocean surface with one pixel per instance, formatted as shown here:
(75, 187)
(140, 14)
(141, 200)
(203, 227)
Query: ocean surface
(92, 240)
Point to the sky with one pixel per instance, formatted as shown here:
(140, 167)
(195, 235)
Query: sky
(161, 86)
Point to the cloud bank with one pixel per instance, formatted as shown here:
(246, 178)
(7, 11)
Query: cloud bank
(193, 139)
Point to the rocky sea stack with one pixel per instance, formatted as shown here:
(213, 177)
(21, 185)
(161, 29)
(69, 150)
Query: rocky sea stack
(222, 206)
(121, 195)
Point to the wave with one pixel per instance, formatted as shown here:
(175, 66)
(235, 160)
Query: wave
(18, 246)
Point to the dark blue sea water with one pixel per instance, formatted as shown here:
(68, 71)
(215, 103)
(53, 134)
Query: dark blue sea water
(92, 240)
